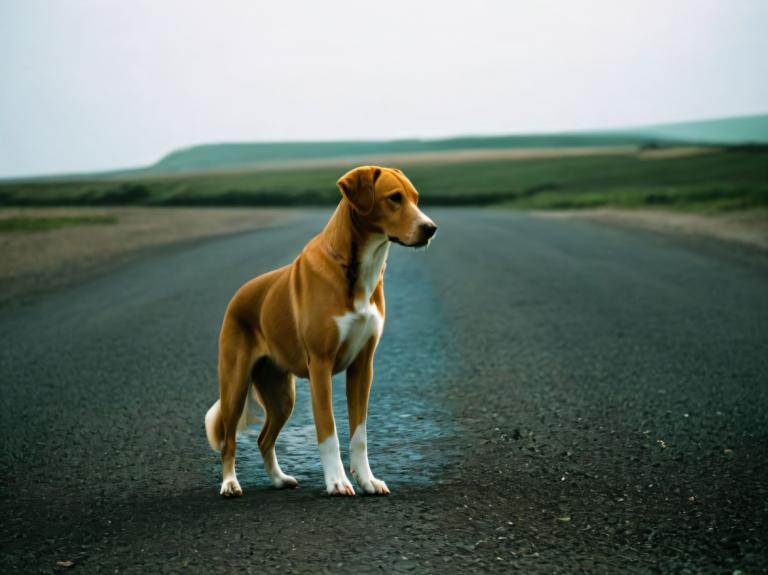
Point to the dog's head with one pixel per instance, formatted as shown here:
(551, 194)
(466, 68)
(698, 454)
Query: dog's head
(386, 201)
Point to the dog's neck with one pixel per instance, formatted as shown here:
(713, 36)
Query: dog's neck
(361, 251)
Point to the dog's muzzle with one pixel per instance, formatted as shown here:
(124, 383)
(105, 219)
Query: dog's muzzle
(426, 232)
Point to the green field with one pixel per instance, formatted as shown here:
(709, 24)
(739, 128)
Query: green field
(730, 178)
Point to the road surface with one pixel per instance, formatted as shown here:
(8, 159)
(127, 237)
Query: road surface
(550, 395)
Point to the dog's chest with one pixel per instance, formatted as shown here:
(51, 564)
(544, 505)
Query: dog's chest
(355, 329)
(357, 326)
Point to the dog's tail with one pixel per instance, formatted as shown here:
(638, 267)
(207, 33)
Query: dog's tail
(214, 428)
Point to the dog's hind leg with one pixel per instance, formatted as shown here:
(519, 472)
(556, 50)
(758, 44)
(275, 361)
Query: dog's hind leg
(277, 391)
(235, 360)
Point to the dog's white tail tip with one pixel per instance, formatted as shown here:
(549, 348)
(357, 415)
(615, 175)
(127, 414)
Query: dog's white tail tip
(213, 426)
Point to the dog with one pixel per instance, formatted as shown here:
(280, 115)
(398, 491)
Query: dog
(318, 316)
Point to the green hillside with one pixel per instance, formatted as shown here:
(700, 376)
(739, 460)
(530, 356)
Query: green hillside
(730, 178)
(273, 155)
(651, 170)
(738, 130)
(243, 155)
(741, 130)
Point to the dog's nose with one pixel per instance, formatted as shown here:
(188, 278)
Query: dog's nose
(428, 230)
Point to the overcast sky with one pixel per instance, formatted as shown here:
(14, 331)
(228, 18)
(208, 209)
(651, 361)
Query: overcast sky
(99, 84)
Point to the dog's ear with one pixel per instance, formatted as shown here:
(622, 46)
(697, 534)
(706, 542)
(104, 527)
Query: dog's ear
(357, 186)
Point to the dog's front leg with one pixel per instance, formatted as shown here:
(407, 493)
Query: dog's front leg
(359, 378)
(336, 482)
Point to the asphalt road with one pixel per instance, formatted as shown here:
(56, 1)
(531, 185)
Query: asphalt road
(550, 395)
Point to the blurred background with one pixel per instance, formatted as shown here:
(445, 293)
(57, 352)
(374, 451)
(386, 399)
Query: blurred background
(528, 104)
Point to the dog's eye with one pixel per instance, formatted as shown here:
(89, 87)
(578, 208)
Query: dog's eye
(396, 198)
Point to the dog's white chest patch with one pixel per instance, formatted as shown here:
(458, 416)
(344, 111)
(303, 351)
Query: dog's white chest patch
(355, 329)
(357, 326)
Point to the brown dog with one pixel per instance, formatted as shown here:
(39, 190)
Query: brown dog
(322, 314)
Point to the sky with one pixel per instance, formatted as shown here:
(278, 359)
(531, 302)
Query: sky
(91, 85)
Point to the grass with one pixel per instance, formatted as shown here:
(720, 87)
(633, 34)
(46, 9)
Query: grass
(35, 224)
(723, 179)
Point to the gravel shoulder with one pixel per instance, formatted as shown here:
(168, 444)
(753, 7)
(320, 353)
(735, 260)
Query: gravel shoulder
(38, 261)
(744, 227)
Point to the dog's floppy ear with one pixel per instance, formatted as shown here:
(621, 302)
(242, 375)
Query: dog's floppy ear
(357, 186)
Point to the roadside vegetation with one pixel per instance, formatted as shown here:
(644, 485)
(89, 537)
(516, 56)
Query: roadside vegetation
(715, 179)
(37, 224)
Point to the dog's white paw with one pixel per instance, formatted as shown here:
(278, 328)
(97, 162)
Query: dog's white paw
(373, 486)
(336, 482)
(285, 481)
(359, 467)
(279, 479)
(339, 486)
(230, 487)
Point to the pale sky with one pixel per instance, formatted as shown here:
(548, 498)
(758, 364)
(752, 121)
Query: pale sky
(100, 84)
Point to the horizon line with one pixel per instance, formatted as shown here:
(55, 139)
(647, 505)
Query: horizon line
(466, 135)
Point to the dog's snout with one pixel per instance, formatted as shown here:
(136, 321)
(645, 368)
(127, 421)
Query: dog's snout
(428, 230)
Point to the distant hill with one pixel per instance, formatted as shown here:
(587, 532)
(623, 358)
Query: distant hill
(227, 157)
(245, 155)
(739, 130)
